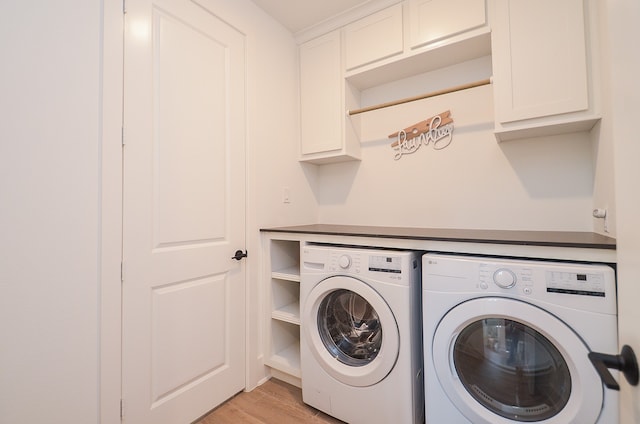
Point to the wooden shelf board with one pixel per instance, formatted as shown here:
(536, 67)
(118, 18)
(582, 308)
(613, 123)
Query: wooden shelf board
(289, 313)
(286, 360)
(290, 274)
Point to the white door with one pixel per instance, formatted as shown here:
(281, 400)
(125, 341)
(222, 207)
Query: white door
(623, 22)
(184, 208)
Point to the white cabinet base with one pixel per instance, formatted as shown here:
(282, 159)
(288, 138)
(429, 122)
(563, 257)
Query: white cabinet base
(283, 320)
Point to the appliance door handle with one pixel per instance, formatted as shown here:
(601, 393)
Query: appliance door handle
(625, 362)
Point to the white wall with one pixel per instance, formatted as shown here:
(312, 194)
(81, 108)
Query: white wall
(534, 184)
(272, 152)
(110, 328)
(619, 20)
(49, 195)
(53, 255)
(602, 134)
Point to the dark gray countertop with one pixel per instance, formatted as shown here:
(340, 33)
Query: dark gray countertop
(528, 238)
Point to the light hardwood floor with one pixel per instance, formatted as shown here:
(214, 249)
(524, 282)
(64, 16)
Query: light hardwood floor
(274, 402)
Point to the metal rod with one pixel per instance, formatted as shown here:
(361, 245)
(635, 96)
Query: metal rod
(422, 96)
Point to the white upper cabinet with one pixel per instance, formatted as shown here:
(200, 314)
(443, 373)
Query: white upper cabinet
(434, 20)
(374, 50)
(325, 136)
(320, 93)
(375, 37)
(430, 34)
(543, 68)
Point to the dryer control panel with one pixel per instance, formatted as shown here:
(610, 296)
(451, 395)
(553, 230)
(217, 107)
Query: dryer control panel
(573, 285)
(579, 283)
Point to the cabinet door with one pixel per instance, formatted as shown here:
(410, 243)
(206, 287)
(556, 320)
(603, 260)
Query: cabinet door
(539, 58)
(433, 20)
(373, 38)
(320, 94)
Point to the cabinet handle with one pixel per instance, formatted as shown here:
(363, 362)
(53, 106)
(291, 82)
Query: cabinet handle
(239, 255)
(625, 362)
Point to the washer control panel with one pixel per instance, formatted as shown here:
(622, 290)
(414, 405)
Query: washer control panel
(356, 262)
(342, 261)
(385, 263)
(504, 278)
(396, 267)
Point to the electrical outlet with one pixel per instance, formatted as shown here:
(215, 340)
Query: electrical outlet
(286, 195)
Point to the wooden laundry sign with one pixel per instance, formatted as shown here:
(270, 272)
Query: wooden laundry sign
(437, 130)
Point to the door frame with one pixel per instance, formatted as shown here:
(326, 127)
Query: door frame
(111, 213)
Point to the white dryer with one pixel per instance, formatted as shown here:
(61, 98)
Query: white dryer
(361, 347)
(507, 341)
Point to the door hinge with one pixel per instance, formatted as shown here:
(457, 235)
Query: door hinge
(121, 408)
(122, 271)
(122, 136)
(124, 6)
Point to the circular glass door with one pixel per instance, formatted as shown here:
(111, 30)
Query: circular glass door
(349, 327)
(351, 331)
(505, 361)
(512, 369)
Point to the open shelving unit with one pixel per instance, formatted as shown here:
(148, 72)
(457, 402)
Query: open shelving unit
(283, 333)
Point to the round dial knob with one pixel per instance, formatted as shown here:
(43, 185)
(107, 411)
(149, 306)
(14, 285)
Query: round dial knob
(344, 261)
(504, 278)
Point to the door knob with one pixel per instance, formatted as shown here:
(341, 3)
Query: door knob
(625, 362)
(239, 255)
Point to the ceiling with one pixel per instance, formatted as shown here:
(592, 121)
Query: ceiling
(298, 15)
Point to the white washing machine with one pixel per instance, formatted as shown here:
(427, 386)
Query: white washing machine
(507, 341)
(361, 346)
